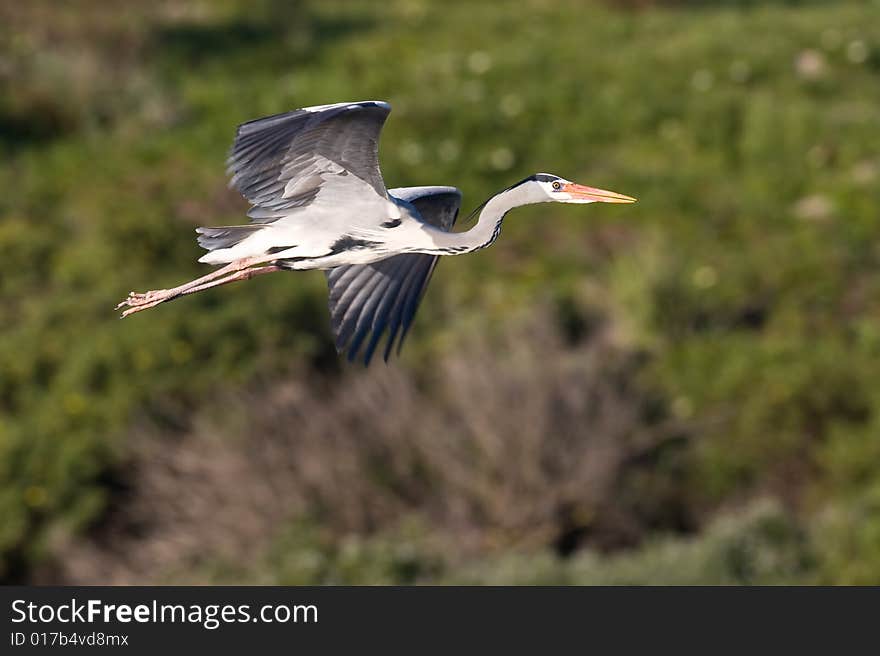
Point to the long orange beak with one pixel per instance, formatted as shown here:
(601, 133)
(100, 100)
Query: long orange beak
(580, 192)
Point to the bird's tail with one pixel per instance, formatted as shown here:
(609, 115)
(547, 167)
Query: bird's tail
(213, 239)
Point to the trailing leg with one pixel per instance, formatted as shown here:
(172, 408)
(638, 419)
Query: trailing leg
(153, 298)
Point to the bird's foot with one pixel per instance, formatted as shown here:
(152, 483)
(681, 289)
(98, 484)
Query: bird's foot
(134, 298)
(137, 301)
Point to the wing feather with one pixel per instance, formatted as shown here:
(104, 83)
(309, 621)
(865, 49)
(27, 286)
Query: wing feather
(383, 297)
(368, 315)
(279, 163)
(358, 316)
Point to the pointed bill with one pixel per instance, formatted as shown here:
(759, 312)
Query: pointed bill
(591, 194)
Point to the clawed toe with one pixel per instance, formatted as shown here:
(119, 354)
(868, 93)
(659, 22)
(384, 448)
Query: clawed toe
(137, 301)
(131, 300)
(135, 297)
(142, 306)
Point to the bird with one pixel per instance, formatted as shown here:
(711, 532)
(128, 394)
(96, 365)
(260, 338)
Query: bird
(318, 201)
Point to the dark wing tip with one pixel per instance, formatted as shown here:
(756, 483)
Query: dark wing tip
(370, 302)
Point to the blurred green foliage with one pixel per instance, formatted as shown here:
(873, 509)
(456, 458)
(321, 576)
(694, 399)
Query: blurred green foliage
(747, 273)
(762, 545)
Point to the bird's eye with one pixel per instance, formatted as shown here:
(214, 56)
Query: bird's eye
(556, 186)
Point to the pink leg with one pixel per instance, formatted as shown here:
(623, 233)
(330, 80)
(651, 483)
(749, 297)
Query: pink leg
(192, 288)
(134, 299)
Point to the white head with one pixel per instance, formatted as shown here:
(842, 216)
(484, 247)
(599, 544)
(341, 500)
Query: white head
(547, 188)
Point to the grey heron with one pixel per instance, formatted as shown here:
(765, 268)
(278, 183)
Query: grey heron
(318, 201)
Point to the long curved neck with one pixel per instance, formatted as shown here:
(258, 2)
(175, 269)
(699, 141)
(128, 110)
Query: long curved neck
(488, 225)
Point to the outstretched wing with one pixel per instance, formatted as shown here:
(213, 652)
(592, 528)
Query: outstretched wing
(367, 299)
(282, 162)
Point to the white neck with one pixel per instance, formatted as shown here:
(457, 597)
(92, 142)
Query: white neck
(488, 226)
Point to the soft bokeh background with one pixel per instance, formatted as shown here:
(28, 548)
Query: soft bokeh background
(685, 390)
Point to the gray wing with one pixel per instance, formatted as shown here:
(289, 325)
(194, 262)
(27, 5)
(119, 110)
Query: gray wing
(367, 299)
(281, 162)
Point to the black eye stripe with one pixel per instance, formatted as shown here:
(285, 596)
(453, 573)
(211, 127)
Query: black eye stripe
(539, 177)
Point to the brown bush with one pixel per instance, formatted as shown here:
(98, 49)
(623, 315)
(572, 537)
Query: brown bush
(525, 443)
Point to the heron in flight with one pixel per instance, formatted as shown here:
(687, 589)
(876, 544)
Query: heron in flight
(318, 201)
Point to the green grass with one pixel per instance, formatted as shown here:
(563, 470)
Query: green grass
(746, 274)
